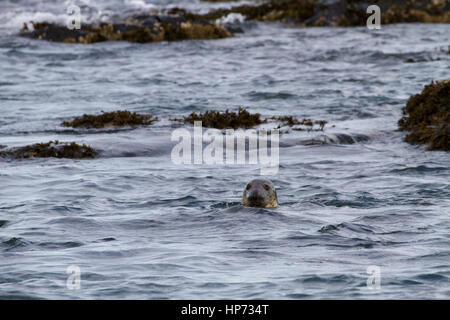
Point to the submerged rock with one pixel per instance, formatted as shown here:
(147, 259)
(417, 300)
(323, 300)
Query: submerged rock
(427, 117)
(51, 149)
(336, 12)
(118, 118)
(141, 28)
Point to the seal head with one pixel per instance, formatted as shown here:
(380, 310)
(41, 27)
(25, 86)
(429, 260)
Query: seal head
(260, 193)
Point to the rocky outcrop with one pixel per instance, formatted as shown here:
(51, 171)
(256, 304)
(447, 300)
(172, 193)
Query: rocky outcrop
(242, 119)
(427, 117)
(224, 120)
(335, 12)
(110, 119)
(180, 24)
(141, 28)
(51, 149)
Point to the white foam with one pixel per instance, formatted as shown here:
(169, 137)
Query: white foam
(140, 4)
(231, 18)
(17, 19)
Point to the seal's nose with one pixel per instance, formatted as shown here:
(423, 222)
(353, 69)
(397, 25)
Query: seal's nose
(255, 197)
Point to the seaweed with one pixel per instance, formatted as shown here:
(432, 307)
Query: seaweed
(51, 149)
(292, 121)
(427, 117)
(118, 118)
(243, 119)
(227, 119)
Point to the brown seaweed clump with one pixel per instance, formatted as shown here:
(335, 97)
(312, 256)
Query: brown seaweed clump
(224, 120)
(244, 119)
(427, 117)
(118, 118)
(52, 149)
(292, 121)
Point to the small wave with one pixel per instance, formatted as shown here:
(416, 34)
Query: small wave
(258, 96)
(62, 208)
(432, 277)
(353, 227)
(420, 169)
(14, 243)
(60, 245)
(213, 285)
(335, 279)
(18, 296)
(107, 239)
(136, 224)
(77, 222)
(343, 138)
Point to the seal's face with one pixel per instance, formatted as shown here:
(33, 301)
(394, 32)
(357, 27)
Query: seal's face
(260, 193)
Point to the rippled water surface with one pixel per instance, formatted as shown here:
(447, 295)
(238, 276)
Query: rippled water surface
(140, 227)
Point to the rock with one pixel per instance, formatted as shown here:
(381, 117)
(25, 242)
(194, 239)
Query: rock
(117, 119)
(141, 28)
(427, 117)
(50, 149)
(336, 12)
(179, 24)
(57, 33)
(224, 120)
(245, 120)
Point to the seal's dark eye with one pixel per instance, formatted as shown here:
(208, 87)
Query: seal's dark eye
(248, 187)
(266, 187)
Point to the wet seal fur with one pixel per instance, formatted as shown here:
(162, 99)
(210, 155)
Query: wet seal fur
(260, 193)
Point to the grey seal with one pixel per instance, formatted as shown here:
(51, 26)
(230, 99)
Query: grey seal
(260, 193)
